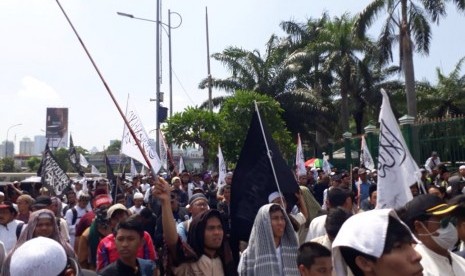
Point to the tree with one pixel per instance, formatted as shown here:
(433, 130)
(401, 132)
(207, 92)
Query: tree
(7, 164)
(446, 98)
(114, 147)
(61, 156)
(412, 20)
(236, 114)
(33, 163)
(195, 127)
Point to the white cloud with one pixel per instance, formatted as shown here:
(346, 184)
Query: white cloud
(35, 89)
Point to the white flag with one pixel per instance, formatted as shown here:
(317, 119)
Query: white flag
(142, 170)
(163, 148)
(396, 167)
(94, 170)
(133, 168)
(299, 158)
(326, 165)
(221, 167)
(365, 156)
(129, 145)
(82, 161)
(181, 164)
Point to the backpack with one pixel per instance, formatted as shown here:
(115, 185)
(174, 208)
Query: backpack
(19, 229)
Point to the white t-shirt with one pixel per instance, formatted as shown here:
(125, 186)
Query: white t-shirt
(136, 211)
(316, 228)
(435, 264)
(8, 234)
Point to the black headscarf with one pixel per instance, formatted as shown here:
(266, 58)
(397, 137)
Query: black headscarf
(196, 240)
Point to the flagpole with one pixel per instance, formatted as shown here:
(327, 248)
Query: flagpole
(268, 151)
(109, 91)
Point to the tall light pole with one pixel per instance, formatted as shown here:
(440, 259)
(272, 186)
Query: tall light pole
(160, 24)
(6, 142)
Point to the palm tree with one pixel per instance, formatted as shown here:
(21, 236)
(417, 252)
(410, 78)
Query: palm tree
(412, 20)
(270, 75)
(341, 50)
(446, 97)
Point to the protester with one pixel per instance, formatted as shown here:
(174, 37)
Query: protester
(24, 203)
(45, 202)
(90, 238)
(363, 184)
(138, 199)
(370, 202)
(437, 191)
(337, 197)
(129, 237)
(376, 243)
(313, 210)
(74, 215)
(182, 195)
(432, 162)
(224, 207)
(180, 215)
(198, 203)
(9, 226)
(106, 250)
(429, 218)
(210, 189)
(272, 246)
(206, 251)
(42, 223)
(313, 259)
(333, 223)
(51, 259)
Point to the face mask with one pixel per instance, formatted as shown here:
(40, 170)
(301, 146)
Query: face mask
(447, 237)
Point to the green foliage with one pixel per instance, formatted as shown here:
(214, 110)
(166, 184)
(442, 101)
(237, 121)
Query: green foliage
(237, 112)
(7, 164)
(61, 156)
(195, 126)
(33, 163)
(114, 148)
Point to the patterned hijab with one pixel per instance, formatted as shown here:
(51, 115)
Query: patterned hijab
(260, 256)
(28, 234)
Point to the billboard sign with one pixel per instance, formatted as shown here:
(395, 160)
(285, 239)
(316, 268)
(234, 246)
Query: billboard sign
(56, 131)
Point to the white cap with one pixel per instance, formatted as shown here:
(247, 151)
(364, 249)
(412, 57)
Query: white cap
(462, 167)
(138, 196)
(2, 194)
(273, 196)
(369, 239)
(37, 257)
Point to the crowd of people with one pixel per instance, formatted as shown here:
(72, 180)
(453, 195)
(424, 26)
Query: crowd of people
(181, 225)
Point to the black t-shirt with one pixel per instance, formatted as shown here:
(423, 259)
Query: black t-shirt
(118, 268)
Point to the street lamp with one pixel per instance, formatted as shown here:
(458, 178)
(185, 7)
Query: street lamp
(159, 23)
(6, 142)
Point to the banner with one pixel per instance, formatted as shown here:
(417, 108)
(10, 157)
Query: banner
(221, 167)
(56, 128)
(299, 158)
(133, 168)
(365, 157)
(73, 157)
(255, 179)
(163, 149)
(129, 145)
(396, 167)
(94, 170)
(82, 161)
(181, 165)
(52, 175)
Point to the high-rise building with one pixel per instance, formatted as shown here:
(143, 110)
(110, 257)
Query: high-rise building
(39, 144)
(7, 149)
(26, 146)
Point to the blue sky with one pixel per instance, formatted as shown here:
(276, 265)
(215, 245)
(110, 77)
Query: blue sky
(42, 64)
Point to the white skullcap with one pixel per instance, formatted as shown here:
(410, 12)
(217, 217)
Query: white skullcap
(462, 167)
(37, 257)
(273, 196)
(138, 196)
(2, 194)
(369, 239)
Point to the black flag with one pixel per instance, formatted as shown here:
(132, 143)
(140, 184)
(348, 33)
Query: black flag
(51, 173)
(253, 181)
(110, 175)
(74, 157)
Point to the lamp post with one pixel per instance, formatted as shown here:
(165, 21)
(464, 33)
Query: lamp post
(159, 23)
(6, 142)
